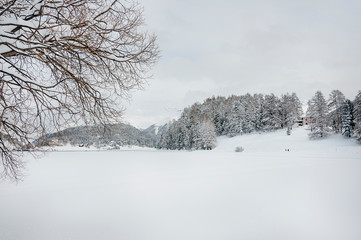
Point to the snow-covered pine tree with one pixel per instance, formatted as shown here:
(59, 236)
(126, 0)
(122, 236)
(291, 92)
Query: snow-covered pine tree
(271, 117)
(207, 108)
(248, 104)
(179, 133)
(335, 103)
(219, 118)
(235, 120)
(317, 112)
(291, 110)
(185, 130)
(357, 116)
(167, 139)
(173, 135)
(226, 109)
(206, 135)
(297, 107)
(347, 119)
(258, 111)
(161, 141)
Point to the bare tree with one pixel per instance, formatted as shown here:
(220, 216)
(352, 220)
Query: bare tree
(64, 61)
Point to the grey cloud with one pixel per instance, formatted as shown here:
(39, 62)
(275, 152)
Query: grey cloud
(233, 47)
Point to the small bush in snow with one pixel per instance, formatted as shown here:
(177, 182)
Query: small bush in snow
(239, 149)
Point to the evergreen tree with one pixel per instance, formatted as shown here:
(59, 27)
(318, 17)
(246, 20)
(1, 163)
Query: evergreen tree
(235, 120)
(317, 112)
(291, 110)
(271, 118)
(347, 118)
(206, 135)
(184, 129)
(357, 116)
(219, 122)
(258, 100)
(335, 104)
(165, 138)
(247, 103)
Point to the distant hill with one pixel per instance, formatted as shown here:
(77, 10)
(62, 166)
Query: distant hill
(102, 135)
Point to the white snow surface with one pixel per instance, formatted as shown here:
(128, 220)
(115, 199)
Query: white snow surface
(70, 148)
(311, 192)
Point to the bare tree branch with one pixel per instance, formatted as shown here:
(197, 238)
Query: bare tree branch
(65, 61)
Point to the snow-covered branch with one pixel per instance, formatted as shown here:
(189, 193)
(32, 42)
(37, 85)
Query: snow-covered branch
(62, 61)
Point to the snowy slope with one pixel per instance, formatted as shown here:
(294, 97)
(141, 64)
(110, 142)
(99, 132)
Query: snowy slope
(312, 192)
(278, 141)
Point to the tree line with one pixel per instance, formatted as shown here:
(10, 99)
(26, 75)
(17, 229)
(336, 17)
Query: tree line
(337, 114)
(200, 124)
(111, 136)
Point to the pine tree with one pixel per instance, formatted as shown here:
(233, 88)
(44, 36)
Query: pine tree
(172, 143)
(258, 111)
(179, 135)
(235, 120)
(317, 112)
(219, 120)
(271, 116)
(347, 119)
(291, 110)
(164, 138)
(206, 135)
(357, 116)
(247, 103)
(335, 103)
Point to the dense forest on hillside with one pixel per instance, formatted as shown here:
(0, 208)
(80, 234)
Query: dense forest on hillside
(200, 124)
(113, 135)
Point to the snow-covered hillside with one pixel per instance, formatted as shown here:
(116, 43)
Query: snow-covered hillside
(279, 141)
(311, 192)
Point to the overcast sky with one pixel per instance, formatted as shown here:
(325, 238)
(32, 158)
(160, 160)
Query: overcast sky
(211, 48)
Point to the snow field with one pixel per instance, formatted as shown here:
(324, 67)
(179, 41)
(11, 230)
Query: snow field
(298, 141)
(311, 192)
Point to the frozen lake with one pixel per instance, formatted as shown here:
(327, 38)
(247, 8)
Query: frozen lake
(163, 195)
